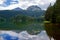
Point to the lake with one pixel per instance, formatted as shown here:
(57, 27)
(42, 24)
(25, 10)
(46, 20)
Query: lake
(23, 35)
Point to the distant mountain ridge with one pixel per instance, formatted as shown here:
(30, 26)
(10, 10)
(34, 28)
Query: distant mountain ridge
(33, 11)
(16, 9)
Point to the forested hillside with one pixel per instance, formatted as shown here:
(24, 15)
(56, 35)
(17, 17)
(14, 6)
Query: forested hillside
(52, 18)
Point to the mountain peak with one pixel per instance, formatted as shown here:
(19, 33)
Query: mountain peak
(34, 8)
(17, 8)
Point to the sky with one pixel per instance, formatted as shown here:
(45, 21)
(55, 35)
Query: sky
(24, 4)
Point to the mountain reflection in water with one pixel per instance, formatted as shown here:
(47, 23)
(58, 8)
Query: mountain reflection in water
(24, 35)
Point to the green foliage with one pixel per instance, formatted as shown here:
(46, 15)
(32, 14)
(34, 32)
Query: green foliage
(49, 12)
(52, 17)
(21, 20)
(53, 12)
(2, 20)
(58, 19)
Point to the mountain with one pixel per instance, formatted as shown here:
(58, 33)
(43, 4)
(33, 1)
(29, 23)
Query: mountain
(33, 8)
(17, 9)
(35, 11)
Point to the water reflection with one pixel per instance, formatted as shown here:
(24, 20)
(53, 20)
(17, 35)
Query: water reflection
(24, 35)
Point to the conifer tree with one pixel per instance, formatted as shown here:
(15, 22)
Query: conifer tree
(53, 15)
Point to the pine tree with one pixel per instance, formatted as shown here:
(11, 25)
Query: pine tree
(53, 15)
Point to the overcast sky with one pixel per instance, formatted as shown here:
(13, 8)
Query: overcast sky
(24, 4)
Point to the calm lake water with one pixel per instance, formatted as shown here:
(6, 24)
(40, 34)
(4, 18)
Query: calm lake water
(23, 35)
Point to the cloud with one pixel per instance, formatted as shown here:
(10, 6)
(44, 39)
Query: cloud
(11, 4)
(24, 35)
(10, 7)
(1, 1)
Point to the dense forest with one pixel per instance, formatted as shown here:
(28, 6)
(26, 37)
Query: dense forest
(52, 18)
